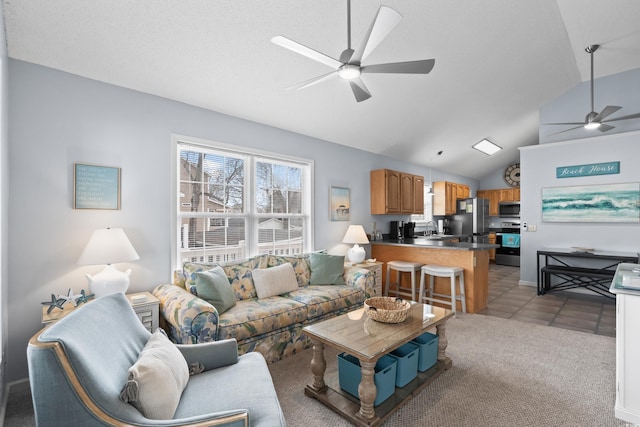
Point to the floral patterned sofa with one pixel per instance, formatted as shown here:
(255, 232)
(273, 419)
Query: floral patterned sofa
(272, 325)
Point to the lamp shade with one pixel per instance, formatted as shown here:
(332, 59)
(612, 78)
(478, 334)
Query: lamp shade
(108, 246)
(355, 234)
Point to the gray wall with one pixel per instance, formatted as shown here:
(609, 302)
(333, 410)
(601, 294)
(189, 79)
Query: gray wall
(538, 165)
(622, 89)
(539, 170)
(58, 119)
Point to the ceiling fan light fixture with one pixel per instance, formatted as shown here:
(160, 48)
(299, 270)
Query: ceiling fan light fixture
(349, 72)
(592, 125)
(487, 147)
(590, 122)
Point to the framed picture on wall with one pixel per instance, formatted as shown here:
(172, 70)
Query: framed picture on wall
(96, 187)
(339, 204)
(592, 203)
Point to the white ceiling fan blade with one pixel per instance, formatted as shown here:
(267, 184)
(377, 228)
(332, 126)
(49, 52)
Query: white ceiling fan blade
(565, 124)
(630, 116)
(409, 67)
(360, 91)
(606, 111)
(306, 51)
(567, 130)
(385, 21)
(312, 81)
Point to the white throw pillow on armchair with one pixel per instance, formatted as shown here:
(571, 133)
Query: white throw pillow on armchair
(157, 379)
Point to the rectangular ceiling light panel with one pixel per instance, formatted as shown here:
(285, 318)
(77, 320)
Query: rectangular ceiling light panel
(487, 147)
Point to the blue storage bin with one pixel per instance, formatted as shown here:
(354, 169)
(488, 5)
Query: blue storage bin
(349, 376)
(428, 345)
(407, 359)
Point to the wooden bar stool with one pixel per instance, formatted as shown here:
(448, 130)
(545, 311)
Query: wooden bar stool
(402, 267)
(443, 271)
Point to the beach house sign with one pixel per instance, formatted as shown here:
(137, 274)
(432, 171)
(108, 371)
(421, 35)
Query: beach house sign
(609, 168)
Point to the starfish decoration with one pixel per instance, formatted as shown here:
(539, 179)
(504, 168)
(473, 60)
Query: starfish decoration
(55, 302)
(83, 297)
(69, 298)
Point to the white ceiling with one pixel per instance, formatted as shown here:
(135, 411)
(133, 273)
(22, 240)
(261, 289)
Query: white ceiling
(497, 62)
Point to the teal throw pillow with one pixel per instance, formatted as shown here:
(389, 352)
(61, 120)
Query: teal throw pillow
(213, 287)
(326, 269)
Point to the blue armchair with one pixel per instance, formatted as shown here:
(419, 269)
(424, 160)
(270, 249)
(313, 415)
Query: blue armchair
(78, 366)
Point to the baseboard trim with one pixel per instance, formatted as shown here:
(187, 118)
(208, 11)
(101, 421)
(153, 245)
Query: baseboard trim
(525, 283)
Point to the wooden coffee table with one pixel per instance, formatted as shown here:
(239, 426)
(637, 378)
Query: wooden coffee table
(356, 334)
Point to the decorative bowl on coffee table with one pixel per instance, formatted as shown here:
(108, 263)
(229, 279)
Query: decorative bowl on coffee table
(387, 309)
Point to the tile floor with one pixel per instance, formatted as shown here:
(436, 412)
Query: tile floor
(568, 310)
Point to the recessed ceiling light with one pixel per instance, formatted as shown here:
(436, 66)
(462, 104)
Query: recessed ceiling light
(487, 147)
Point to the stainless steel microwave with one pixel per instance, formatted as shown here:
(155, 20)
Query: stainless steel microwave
(509, 209)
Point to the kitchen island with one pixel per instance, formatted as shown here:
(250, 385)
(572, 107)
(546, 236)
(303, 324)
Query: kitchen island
(472, 257)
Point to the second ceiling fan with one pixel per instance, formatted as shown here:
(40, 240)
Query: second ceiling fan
(349, 66)
(595, 120)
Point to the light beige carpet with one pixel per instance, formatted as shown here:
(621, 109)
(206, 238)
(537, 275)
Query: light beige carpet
(505, 373)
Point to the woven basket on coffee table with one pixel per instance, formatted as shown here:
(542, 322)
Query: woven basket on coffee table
(387, 309)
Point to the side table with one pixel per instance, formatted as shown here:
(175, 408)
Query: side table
(146, 306)
(376, 267)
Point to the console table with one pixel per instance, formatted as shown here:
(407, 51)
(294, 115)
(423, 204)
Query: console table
(571, 270)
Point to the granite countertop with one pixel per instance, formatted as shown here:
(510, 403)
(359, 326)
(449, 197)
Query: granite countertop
(437, 244)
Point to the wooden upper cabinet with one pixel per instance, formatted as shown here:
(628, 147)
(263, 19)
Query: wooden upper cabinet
(406, 193)
(497, 196)
(462, 191)
(506, 195)
(444, 198)
(394, 192)
(418, 194)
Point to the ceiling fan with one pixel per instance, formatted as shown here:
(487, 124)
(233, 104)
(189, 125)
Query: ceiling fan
(595, 120)
(349, 66)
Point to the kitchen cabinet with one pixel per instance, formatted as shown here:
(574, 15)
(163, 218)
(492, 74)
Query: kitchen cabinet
(418, 195)
(492, 241)
(444, 198)
(394, 192)
(506, 195)
(493, 196)
(446, 195)
(462, 191)
(497, 196)
(406, 193)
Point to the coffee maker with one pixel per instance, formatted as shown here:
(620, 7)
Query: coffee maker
(396, 231)
(409, 230)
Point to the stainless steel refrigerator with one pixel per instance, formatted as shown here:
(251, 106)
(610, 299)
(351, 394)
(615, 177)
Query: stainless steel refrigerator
(472, 220)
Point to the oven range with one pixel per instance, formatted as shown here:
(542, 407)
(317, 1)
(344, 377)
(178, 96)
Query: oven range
(508, 237)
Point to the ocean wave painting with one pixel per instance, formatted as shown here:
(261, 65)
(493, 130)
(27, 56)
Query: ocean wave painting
(592, 203)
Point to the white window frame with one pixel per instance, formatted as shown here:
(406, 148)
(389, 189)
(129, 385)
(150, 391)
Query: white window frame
(428, 207)
(252, 217)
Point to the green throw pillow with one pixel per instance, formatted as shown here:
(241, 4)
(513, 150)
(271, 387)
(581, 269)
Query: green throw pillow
(213, 287)
(326, 269)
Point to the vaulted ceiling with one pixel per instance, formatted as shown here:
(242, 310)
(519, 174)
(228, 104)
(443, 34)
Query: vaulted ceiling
(497, 62)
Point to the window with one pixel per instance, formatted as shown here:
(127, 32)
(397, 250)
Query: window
(428, 207)
(233, 204)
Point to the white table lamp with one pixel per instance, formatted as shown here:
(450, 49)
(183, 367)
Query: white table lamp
(108, 246)
(356, 235)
